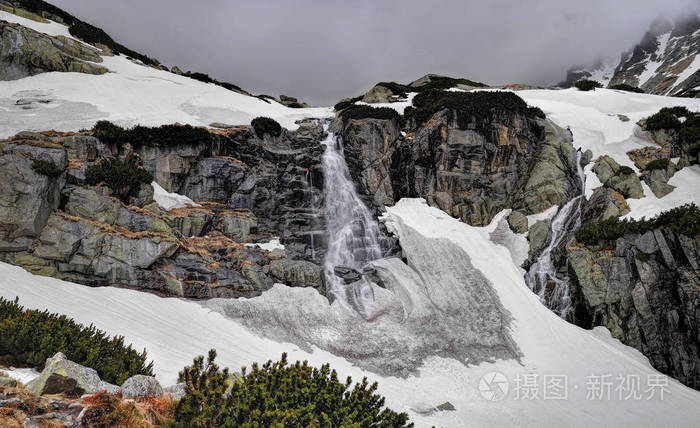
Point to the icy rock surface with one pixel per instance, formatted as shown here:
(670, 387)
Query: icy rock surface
(437, 304)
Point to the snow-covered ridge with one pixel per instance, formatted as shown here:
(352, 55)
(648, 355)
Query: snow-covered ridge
(129, 94)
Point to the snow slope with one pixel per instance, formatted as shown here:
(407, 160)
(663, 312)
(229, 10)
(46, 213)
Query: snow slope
(174, 330)
(129, 94)
(593, 118)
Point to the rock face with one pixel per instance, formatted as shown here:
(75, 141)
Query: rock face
(645, 290)
(603, 204)
(510, 162)
(251, 190)
(622, 179)
(61, 375)
(25, 52)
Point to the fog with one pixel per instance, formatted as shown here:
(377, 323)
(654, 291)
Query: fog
(324, 50)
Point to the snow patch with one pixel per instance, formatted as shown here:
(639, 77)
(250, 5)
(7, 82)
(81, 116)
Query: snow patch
(273, 244)
(24, 375)
(169, 201)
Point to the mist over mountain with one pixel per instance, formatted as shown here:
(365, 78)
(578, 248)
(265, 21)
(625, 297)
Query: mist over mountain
(322, 51)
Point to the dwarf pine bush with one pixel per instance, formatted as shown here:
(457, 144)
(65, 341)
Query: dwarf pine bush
(30, 337)
(278, 394)
(123, 177)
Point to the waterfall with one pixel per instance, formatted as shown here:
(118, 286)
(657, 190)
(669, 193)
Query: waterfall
(566, 221)
(352, 232)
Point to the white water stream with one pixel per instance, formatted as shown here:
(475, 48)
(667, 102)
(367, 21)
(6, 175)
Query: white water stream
(566, 221)
(352, 232)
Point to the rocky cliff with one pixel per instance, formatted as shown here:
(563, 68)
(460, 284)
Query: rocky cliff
(249, 190)
(471, 170)
(645, 288)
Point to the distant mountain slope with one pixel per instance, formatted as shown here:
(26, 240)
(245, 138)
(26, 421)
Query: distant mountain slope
(664, 62)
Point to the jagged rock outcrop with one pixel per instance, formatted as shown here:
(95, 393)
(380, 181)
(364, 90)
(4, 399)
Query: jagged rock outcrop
(250, 190)
(603, 204)
(510, 162)
(645, 289)
(622, 179)
(664, 62)
(26, 52)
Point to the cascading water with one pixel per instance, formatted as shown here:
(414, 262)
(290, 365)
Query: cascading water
(566, 221)
(352, 232)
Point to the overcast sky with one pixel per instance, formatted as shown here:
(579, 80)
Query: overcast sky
(324, 50)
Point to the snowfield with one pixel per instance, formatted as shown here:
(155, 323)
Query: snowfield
(593, 119)
(128, 95)
(591, 364)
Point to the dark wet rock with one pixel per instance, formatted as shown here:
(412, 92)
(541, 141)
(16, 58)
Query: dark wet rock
(348, 274)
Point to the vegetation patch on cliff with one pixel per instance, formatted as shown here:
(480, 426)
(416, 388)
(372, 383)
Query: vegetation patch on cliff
(124, 178)
(46, 168)
(266, 125)
(369, 112)
(684, 220)
(31, 336)
(278, 394)
(468, 105)
(166, 135)
(628, 88)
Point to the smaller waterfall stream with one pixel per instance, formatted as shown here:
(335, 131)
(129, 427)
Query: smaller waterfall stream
(565, 222)
(352, 232)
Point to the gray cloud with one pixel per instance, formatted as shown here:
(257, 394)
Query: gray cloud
(324, 50)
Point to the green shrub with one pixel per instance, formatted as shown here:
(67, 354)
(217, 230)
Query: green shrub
(666, 118)
(468, 105)
(266, 125)
(587, 85)
(32, 336)
(684, 220)
(124, 178)
(661, 163)
(628, 88)
(342, 105)
(166, 135)
(436, 83)
(369, 112)
(278, 395)
(625, 170)
(46, 168)
(206, 79)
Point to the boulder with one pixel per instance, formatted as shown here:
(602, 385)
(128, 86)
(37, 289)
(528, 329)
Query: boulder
(297, 273)
(348, 274)
(62, 376)
(26, 52)
(378, 94)
(237, 225)
(622, 179)
(141, 386)
(517, 222)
